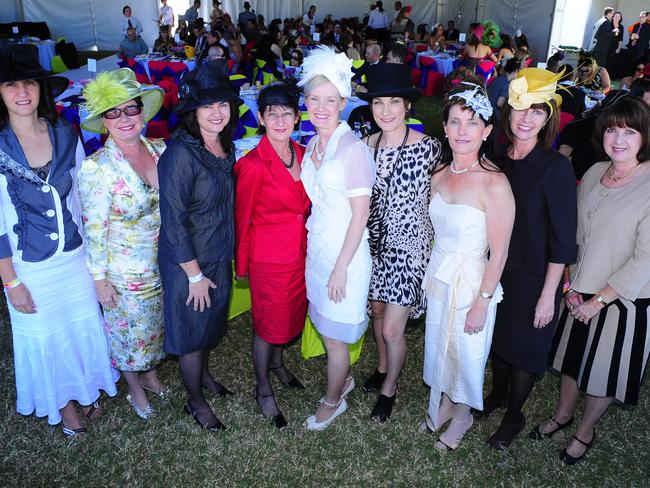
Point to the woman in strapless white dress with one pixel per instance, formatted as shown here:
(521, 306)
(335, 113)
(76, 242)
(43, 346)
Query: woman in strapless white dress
(472, 210)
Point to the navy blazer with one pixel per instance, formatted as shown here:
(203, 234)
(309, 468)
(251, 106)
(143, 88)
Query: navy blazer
(39, 218)
(544, 186)
(196, 202)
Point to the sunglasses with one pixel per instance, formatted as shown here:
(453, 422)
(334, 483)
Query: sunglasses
(295, 58)
(129, 111)
(641, 68)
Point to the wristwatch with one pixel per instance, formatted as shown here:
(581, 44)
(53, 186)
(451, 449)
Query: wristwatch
(600, 299)
(485, 295)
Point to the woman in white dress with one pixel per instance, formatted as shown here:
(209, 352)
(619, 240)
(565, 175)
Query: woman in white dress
(472, 210)
(338, 174)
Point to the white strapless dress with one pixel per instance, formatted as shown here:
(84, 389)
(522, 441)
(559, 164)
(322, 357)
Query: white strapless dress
(454, 361)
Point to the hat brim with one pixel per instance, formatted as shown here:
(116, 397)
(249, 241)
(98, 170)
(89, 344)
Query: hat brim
(215, 95)
(152, 100)
(411, 94)
(58, 84)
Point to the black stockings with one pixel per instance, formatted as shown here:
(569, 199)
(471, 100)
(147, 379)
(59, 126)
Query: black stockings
(194, 370)
(265, 356)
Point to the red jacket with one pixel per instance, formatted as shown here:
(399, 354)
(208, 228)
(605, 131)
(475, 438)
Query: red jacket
(270, 210)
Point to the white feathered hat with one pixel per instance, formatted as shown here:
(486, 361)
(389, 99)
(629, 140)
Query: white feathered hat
(337, 68)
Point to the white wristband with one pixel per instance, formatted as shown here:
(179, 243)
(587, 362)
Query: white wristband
(195, 279)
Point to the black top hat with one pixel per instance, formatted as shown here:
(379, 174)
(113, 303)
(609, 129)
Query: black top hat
(389, 80)
(20, 62)
(206, 84)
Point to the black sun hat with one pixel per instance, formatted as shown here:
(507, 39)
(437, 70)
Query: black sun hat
(206, 84)
(20, 62)
(389, 80)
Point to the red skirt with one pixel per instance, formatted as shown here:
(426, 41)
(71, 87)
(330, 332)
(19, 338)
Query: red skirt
(278, 299)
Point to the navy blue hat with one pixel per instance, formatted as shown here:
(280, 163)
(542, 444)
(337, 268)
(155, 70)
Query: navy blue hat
(389, 80)
(279, 95)
(206, 84)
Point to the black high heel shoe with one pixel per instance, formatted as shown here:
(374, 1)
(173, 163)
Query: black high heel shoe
(292, 383)
(538, 435)
(278, 419)
(383, 408)
(569, 460)
(216, 427)
(220, 391)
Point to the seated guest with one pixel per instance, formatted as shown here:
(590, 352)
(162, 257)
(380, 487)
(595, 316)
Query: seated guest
(592, 76)
(217, 51)
(640, 88)
(183, 31)
(132, 45)
(373, 56)
(397, 53)
(130, 21)
(639, 71)
(164, 41)
(498, 89)
(506, 51)
(200, 36)
(437, 41)
(476, 51)
(350, 48)
(452, 34)
(573, 98)
(553, 63)
(601, 344)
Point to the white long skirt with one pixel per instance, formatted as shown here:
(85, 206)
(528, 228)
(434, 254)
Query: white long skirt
(60, 352)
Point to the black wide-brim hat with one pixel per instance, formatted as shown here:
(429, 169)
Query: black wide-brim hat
(389, 80)
(204, 85)
(20, 62)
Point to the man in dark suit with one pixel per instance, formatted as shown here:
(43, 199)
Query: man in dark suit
(373, 56)
(452, 34)
(604, 37)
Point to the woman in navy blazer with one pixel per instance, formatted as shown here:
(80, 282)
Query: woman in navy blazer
(197, 234)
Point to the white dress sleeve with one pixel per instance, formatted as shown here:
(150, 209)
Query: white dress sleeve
(360, 171)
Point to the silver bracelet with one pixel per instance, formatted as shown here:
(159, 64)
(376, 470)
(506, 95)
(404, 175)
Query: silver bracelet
(195, 279)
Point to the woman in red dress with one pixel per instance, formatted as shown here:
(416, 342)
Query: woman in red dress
(271, 208)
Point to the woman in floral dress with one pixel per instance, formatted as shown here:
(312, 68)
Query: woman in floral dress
(118, 188)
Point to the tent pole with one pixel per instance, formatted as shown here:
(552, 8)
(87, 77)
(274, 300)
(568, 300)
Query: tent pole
(20, 13)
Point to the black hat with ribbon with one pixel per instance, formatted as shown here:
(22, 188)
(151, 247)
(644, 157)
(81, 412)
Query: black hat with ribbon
(206, 84)
(20, 62)
(389, 80)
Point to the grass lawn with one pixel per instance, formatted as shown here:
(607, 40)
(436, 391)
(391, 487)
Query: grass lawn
(171, 450)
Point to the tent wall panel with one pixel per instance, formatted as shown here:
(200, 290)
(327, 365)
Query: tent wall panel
(73, 20)
(8, 11)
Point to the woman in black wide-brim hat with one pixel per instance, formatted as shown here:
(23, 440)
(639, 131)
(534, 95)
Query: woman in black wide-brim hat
(399, 224)
(197, 236)
(60, 352)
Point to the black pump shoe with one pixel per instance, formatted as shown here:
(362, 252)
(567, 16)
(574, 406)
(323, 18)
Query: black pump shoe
(278, 419)
(374, 382)
(538, 435)
(506, 433)
(383, 408)
(569, 460)
(216, 427)
(292, 383)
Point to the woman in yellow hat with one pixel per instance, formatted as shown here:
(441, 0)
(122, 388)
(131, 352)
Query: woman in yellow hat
(543, 242)
(118, 189)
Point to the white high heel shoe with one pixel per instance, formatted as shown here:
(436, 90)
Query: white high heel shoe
(312, 424)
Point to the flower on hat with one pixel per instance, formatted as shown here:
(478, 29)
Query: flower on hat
(337, 68)
(533, 86)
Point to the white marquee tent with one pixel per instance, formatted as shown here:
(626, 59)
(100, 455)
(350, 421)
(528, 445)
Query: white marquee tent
(94, 24)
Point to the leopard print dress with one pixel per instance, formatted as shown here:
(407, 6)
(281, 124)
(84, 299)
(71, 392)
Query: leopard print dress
(401, 233)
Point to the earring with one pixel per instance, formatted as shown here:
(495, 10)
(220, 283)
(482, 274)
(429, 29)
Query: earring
(445, 136)
(484, 139)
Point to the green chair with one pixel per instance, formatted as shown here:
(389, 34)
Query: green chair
(58, 66)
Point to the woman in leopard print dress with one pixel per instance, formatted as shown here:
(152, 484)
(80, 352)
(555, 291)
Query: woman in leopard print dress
(400, 229)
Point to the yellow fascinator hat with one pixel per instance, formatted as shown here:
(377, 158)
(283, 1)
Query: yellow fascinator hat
(112, 88)
(533, 86)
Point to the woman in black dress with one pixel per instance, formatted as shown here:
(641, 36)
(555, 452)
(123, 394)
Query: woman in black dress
(197, 232)
(543, 242)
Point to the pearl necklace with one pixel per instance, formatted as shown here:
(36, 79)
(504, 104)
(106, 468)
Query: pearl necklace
(611, 176)
(464, 170)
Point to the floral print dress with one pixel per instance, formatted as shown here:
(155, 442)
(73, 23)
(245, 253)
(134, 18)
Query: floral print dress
(122, 222)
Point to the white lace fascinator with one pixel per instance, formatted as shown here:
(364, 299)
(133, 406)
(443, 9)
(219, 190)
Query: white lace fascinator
(337, 68)
(475, 98)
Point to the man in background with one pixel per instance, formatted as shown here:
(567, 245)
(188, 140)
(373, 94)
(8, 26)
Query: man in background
(397, 53)
(166, 14)
(246, 15)
(132, 45)
(452, 34)
(192, 13)
(604, 37)
(608, 11)
(129, 21)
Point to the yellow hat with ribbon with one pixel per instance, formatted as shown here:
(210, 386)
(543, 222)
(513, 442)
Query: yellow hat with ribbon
(112, 88)
(533, 86)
